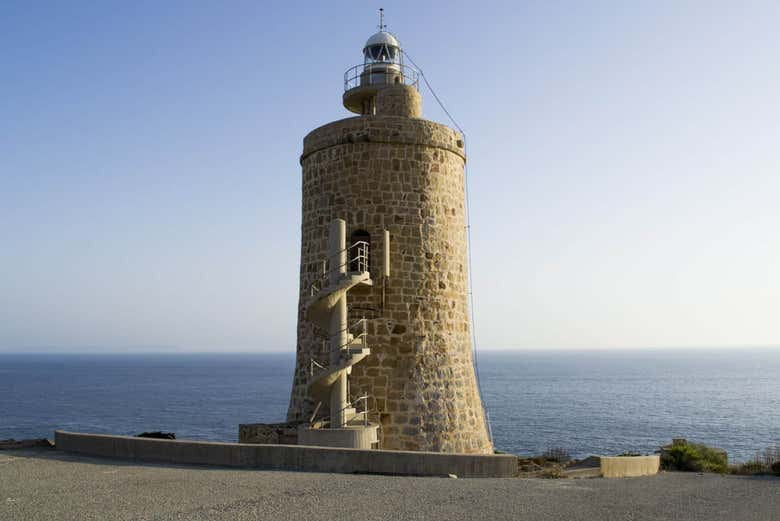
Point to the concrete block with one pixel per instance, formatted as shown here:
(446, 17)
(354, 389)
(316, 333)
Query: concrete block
(629, 466)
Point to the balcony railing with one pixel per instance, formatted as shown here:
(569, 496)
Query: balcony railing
(367, 74)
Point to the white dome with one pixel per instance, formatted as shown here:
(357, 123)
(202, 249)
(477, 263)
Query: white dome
(383, 37)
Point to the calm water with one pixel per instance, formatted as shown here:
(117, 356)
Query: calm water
(589, 402)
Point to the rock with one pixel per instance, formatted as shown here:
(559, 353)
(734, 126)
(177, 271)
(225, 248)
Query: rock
(589, 462)
(24, 444)
(157, 435)
(269, 433)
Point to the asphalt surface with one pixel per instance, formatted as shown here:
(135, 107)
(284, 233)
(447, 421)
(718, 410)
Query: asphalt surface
(43, 484)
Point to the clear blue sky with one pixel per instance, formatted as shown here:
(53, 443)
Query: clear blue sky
(624, 163)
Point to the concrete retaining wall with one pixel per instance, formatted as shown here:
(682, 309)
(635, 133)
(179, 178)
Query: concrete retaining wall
(629, 466)
(289, 457)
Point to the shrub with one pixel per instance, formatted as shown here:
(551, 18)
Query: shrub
(769, 456)
(749, 468)
(765, 462)
(681, 457)
(694, 457)
(557, 455)
(713, 460)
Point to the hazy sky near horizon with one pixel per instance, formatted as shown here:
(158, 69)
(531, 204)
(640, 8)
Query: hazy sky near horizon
(623, 167)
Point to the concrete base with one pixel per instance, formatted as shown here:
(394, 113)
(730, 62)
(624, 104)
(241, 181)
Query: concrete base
(351, 437)
(289, 457)
(629, 466)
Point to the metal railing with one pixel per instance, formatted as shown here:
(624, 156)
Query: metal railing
(362, 323)
(312, 364)
(363, 335)
(353, 326)
(381, 74)
(358, 260)
(350, 405)
(364, 412)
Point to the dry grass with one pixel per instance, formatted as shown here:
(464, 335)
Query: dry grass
(766, 461)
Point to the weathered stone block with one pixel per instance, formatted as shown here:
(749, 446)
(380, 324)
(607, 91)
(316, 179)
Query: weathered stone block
(269, 433)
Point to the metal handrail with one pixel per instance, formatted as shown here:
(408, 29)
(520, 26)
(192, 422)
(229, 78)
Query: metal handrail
(361, 258)
(364, 412)
(358, 322)
(361, 335)
(358, 75)
(365, 407)
(312, 364)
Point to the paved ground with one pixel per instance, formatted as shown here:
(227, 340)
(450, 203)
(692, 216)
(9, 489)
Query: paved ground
(41, 484)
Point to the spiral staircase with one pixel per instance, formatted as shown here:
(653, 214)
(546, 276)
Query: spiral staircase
(345, 269)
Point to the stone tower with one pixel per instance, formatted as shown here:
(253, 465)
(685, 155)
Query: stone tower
(389, 170)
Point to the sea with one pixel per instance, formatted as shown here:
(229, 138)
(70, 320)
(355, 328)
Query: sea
(584, 402)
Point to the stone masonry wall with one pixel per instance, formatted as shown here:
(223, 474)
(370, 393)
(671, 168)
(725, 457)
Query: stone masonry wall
(399, 100)
(405, 175)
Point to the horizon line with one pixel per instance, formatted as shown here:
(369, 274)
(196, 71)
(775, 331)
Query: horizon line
(167, 350)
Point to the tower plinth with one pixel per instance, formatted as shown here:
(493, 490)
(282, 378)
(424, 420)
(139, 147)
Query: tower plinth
(389, 173)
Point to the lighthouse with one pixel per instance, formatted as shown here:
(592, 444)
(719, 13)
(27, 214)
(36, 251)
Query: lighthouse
(384, 355)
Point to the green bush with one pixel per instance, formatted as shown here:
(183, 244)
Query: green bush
(776, 468)
(694, 457)
(749, 468)
(681, 457)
